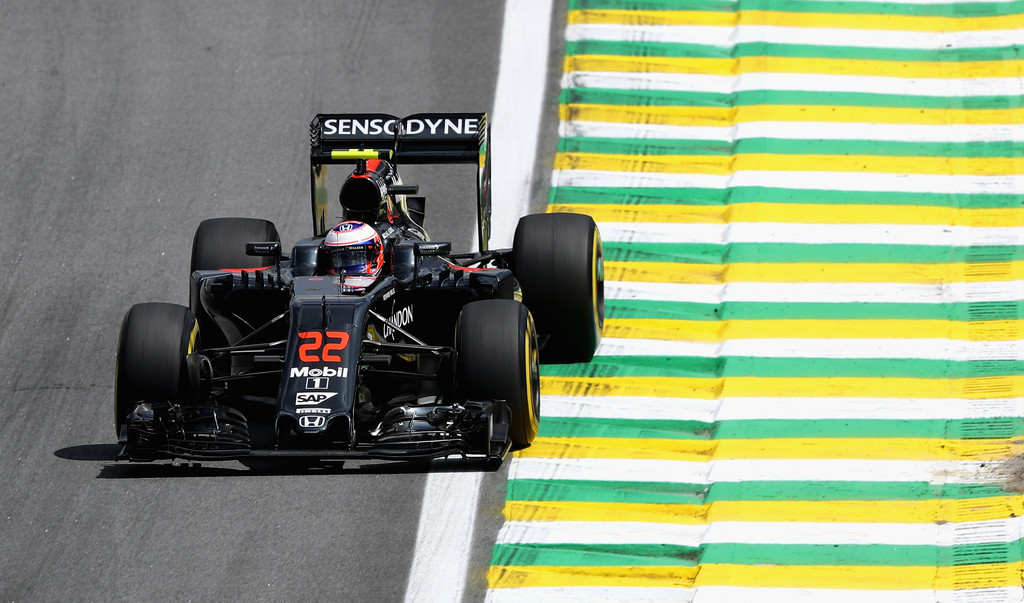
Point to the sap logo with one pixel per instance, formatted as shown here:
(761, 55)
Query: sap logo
(312, 398)
(317, 411)
(315, 372)
(317, 421)
(399, 319)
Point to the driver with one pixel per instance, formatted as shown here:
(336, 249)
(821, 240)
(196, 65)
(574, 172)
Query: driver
(355, 248)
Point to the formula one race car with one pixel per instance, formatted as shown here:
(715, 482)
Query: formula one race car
(368, 340)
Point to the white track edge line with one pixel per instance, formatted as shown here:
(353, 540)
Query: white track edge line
(448, 513)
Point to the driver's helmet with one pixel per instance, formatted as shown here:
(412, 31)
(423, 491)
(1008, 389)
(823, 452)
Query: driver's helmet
(355, 248)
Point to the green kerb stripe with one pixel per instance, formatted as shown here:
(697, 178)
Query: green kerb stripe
(626, 309)
(999, 428)
(722, 6)
(755, 554)
(767, 49)
(699, 253)
(698, 494)
(779, 146)
(760, 194)
(744, 366)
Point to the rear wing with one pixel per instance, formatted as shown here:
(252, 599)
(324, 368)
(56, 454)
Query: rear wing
(423, 138)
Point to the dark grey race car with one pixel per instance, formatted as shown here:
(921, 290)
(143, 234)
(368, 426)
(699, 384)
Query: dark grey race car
(436, 355)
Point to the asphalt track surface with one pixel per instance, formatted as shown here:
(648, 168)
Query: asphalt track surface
(126, 123)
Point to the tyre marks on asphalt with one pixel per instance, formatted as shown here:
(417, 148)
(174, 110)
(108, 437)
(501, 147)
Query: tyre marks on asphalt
(809, 385)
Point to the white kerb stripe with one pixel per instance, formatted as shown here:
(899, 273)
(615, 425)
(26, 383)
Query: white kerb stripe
(942, 235)
(797, 131)
(787, 408)
(761, 532)
(900, 293)
(729, 37)
(1002, 184)
(794, 82)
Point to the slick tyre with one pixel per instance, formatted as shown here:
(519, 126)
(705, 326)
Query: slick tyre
(220, 243)
(498, 359)
(559, 263)
(155, 341)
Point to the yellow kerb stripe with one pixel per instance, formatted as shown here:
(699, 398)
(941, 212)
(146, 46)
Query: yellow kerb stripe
(833, 511)
(726, 117)
(804, 65)
(706, 388)
(795, 19)
(917, 449)
(716, 331)
(852, 577)
(796, 213)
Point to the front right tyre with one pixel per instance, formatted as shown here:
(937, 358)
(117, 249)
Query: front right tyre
(498, 359)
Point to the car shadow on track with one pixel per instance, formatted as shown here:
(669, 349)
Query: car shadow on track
(106, 453)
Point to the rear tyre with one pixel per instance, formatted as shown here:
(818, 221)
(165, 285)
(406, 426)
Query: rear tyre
(498, 359)
(558, 260)
(155, 340)
(220, 243)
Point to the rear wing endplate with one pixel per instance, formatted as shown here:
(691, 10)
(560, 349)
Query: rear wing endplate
(423, 138)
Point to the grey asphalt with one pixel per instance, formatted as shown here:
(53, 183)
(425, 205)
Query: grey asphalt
(124, 124)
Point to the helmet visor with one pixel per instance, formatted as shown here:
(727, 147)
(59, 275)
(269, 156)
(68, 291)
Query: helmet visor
(355, 259)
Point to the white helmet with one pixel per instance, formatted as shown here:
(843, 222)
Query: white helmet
(355, 248)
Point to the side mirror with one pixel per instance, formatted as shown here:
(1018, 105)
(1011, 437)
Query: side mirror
(403, 189)
(267, 249)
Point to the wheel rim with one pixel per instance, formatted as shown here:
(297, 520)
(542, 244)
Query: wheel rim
(597, 280)
(533, 371)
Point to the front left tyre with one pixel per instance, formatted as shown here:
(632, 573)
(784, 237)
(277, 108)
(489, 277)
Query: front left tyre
(155, 341)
